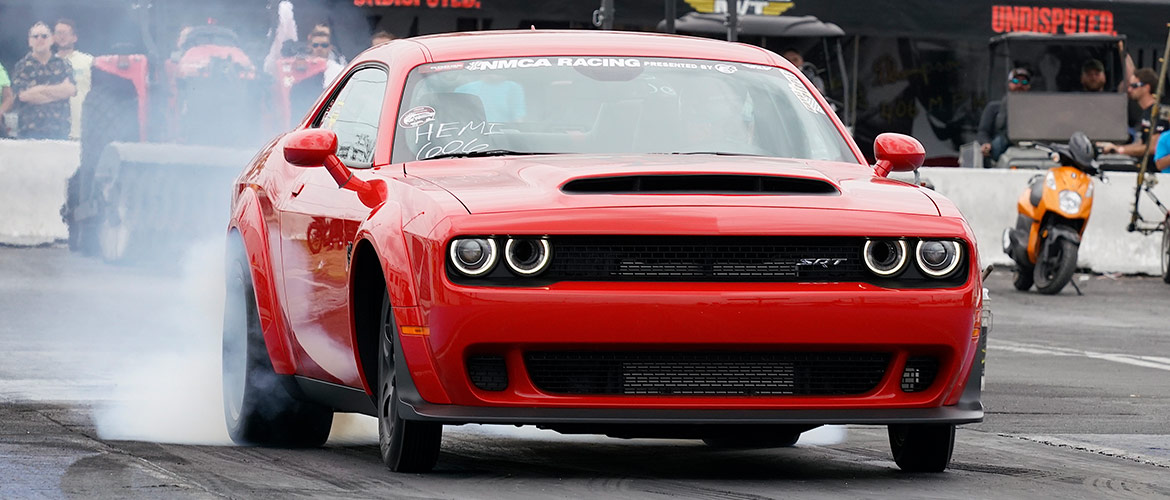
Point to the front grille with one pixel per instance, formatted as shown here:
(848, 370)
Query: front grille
(919, 373)
(707, 373)
(488, 373)
(704, 258)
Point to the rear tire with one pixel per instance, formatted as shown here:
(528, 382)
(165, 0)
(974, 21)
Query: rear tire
(922, 447)
(260, 406)
(1053, 273)
(406, 445)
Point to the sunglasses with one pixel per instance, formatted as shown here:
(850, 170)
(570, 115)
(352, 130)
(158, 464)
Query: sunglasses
(41, 36)
(1135, 85)
(320, 45)
(1020, 81)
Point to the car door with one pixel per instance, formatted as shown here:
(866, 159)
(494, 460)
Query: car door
(318, 225)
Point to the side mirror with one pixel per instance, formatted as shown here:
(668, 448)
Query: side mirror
(310, 147)
(316, 147)
(897, 153)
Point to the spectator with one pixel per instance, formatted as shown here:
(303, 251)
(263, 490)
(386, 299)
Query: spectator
(6, 100)
(321, 46)
(809, 69)
(334, 51)
(1092, 76)
(503, 100)
(992, 134)
(380, 37)
(1141, 90)
(43, 84)
(1162, 154)
(65, 37)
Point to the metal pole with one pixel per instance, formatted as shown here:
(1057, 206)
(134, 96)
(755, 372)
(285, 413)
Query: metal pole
(732, 20)
(1141, 177)
(671, 13)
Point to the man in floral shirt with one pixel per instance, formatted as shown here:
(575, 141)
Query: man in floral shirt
(43, 84)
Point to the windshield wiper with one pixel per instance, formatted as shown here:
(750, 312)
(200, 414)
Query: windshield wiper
(488, 152)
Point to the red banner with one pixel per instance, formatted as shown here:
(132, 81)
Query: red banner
(1010, 18)
(433, 4)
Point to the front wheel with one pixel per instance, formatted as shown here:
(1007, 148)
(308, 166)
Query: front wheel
(922, 447)
(1055, 265)
(406, 445)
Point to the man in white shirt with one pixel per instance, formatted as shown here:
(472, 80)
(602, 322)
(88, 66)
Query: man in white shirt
(65, 39)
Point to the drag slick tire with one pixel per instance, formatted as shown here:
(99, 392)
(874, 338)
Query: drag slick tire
(406, 445)
(260, 406)
(922, 447)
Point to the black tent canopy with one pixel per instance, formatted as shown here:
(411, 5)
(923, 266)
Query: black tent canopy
(754, 25)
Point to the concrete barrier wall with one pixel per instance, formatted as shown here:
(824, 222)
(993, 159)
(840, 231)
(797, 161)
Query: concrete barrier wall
(32, 189)
(988, 199)
(34, 174)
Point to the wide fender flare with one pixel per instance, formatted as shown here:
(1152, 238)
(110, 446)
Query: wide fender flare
(248, 221)
(383, 230)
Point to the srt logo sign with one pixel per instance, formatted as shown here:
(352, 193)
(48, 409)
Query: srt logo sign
(825, 263)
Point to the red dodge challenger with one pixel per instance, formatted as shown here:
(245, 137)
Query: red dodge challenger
(635, 235)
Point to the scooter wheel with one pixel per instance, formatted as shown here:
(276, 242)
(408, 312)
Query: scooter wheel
(1022, 278)
(1166, 255)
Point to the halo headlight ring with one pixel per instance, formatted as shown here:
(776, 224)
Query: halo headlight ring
(954, 257)
(479, 268)
(527, 265)
(885, 271)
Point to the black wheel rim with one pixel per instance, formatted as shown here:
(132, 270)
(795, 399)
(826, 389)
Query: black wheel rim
(387, 416)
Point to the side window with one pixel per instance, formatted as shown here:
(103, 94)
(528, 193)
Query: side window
(353, 116)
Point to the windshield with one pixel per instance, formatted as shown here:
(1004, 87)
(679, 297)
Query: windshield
(611, 105)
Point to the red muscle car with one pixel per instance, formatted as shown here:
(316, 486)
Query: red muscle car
(635, 235)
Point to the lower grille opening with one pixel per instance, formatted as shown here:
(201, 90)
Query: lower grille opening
(488, 373)
(919, 373)
(707, 373)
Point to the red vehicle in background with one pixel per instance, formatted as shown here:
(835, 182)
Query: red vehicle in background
(634, 235)
(161, 137)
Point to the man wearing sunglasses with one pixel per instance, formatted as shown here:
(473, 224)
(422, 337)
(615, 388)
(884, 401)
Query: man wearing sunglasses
(1140, 90)
(43, 84)
(320, 45)
(992, 133)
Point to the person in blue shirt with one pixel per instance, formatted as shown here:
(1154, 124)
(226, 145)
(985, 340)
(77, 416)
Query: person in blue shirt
(503, 100)
(1162, 154)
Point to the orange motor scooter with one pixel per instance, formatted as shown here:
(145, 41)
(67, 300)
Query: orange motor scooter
(1053, 212)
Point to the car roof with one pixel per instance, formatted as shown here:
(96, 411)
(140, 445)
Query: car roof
(522, 43)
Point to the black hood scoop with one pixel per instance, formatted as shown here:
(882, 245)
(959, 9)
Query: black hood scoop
(700, 184)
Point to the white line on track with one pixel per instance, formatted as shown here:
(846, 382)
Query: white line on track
(1156, 362)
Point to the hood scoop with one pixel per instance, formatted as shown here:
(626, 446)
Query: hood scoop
(717, 184)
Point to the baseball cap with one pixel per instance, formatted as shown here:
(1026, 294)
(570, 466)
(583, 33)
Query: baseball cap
(1020, 73)
(1092, 64)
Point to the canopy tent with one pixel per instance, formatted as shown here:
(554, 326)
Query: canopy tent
(779, 26)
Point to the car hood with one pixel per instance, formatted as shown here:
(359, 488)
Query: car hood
(547, 182)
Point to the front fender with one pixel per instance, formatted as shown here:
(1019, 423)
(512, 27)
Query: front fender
(248, 221)
(383, 229)
(1058, 232)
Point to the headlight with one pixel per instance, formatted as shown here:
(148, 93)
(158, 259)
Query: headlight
(1050, 180)
(527, 256)
(938, 259)
(885, 257)
(474, 256)
(1070, 202)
